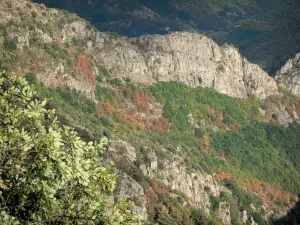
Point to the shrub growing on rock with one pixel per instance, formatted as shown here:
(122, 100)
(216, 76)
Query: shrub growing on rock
(10, 45)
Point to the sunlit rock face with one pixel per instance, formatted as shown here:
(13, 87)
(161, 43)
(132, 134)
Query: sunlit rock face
(190, 58)
(289, 75)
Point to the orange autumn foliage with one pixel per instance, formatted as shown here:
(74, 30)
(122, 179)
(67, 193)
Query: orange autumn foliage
(109, 106)
(268, 194)
(35, 69)
(135, 119)
(151, 196)
(84, 66)
(235, 126)
(222, 157)
(161, 190)
(59, 42)
(219, 117)
(141, 100)
(224, 175)
(298, 110)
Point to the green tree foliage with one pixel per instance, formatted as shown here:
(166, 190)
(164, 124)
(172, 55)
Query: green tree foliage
(252, 151)
(286, 139)
(73, 108)
(48, 175)
(180, 100)
(172, 211)
(168, 111)
(10, 45)
(55, 51)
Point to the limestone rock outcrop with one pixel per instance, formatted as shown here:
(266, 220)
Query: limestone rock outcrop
(224, 212)
(133, 192)
(196, 185)
(289, 75)
(190, 58)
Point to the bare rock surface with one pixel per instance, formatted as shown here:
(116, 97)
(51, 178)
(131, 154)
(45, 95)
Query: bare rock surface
(289, 75)
(190, 58)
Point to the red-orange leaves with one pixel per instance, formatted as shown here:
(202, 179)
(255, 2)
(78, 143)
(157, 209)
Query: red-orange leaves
(84, 66)
(267, 193)
(298, 110)
(141, 100)
(224, 175)
(59, 42)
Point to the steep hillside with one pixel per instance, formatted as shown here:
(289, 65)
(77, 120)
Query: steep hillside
(265, 31)
(71, 47)
(185, 152)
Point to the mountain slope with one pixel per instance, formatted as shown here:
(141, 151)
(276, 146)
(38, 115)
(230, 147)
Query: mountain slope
(186, 154)
(266, 31)
(81, 52)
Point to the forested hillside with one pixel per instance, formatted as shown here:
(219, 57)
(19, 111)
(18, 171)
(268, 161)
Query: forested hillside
(182, 154)
(216, 134)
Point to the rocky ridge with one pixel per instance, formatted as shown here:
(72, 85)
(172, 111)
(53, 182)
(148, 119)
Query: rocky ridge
(289, 75)
(198, 186)
(190, 58)
(186, 57)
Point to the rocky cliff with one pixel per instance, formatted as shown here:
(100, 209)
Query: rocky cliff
(186, 57)
(289, 75)
(252, 26)
(198, 187)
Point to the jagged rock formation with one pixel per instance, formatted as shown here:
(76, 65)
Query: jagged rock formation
(133, 192)
(289, 75)
(198, 186)
(187, 57)
(224, 212)
(218, 18)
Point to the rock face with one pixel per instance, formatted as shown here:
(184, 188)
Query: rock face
(224, 212)
(186, 57)
(171, 171)
(133, 192)
(285, 115)
(289, 75)
(196, 185)
(191, 58)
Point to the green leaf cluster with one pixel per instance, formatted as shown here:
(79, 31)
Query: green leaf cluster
(48, 175)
